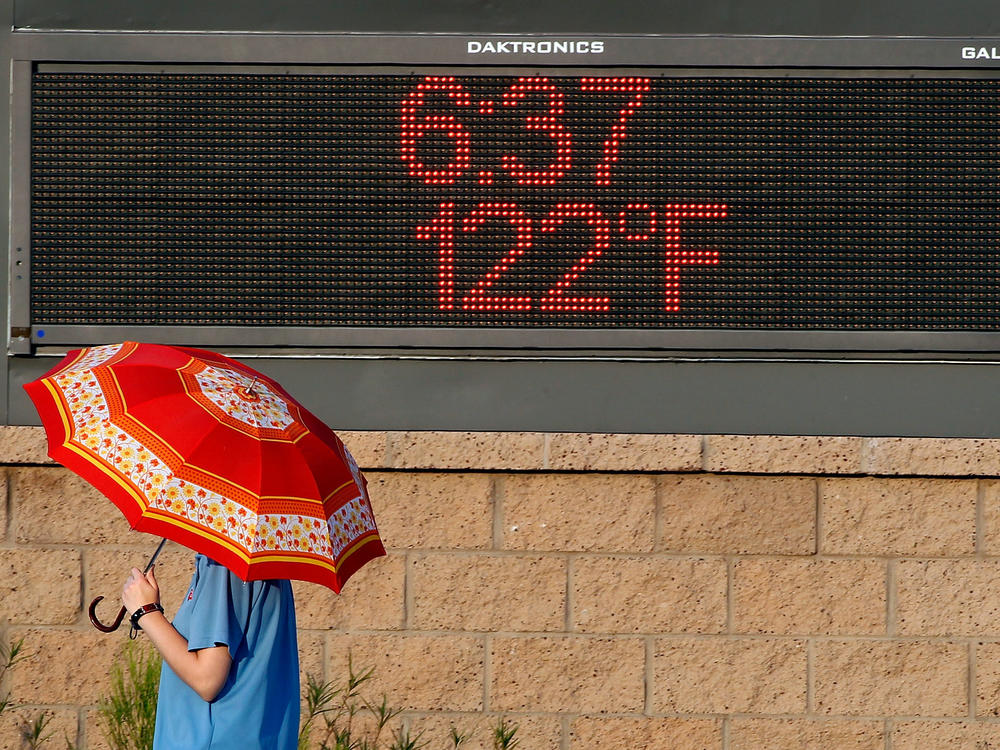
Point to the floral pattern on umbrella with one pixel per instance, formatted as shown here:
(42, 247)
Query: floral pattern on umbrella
(199, 448)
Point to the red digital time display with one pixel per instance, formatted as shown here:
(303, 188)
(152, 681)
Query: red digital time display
(636, 222)
(535, 201)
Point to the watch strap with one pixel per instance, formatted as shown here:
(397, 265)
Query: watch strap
(145, 609)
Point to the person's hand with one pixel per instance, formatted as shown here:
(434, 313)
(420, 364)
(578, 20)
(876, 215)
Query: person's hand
(140, 589)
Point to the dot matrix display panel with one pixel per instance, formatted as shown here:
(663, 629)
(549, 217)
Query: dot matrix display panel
(515, 201)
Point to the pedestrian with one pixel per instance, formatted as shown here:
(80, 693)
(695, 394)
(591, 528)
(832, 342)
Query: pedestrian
(230, 677)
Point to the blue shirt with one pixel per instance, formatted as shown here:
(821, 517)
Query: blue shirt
(258, 707)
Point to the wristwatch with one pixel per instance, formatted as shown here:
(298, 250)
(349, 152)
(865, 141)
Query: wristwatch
(145, 609)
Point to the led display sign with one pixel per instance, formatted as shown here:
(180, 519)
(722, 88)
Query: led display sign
(538, 201)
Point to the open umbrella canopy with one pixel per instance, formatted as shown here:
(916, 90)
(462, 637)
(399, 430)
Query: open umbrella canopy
(201, 449)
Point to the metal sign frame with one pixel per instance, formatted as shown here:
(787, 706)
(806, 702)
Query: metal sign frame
(663, 55)
(840, 388)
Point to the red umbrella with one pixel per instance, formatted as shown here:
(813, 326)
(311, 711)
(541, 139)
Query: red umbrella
(201, 449)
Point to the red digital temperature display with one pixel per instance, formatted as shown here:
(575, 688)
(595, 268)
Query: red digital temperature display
(541, 201)
(637, 222)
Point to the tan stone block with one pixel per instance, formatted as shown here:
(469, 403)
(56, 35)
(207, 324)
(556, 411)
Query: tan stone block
(873, 516)
(23, 445)
(718, 514)
(52, 505)
(105, 571)
(945, 735)
(891, 678)
(39, 587)
(312, 658)
(795, 596)
(987, 674)
(568, 674)
(367, 446)
(570, 451)
(63, 666)
(466, 450)
(991, 517)
(372, 599)
(805, 734)
(648, 595)
(722, 675)
(60, 727)
(488, 592)
(948, 597)
(607, 733)
(415, 672)
(932, 456)
(783, 454)
(589, 513)
(433, 511)
(532, 732)
(93, 729)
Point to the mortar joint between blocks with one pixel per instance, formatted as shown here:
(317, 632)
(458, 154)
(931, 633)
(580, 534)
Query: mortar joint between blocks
(570, 601)
(84, 581)
(8, 508)
(890, 598)
(818, 520)
(487, 672)
(565, 728)
(409, 596)
(810, 676)
(648, 675)
(497, 488)
(973, 708)
(730, 594)
(658, 513)
(388, 460)
(980, 519)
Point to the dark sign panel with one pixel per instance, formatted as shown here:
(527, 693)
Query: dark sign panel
(546, 202)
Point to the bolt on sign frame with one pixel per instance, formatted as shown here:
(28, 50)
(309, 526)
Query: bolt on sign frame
(601, 209)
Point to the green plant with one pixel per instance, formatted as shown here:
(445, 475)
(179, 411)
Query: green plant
(403, 741)
(341, 718)
(335, 717)
(33, 733)
(457, 738)
(338, 708)
(8, 658)
(503, 735)
(128, 713)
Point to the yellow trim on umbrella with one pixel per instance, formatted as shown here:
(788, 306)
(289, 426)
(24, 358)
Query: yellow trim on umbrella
(272, 557)
(57, 398)
(348, 483)
(309, 503)
(149, 517)
(117, 477)
(368, 539)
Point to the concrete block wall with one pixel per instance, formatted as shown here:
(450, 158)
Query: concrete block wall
(602, 591)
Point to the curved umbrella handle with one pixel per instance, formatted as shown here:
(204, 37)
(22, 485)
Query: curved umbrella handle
(122, 612)
(100, 625)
